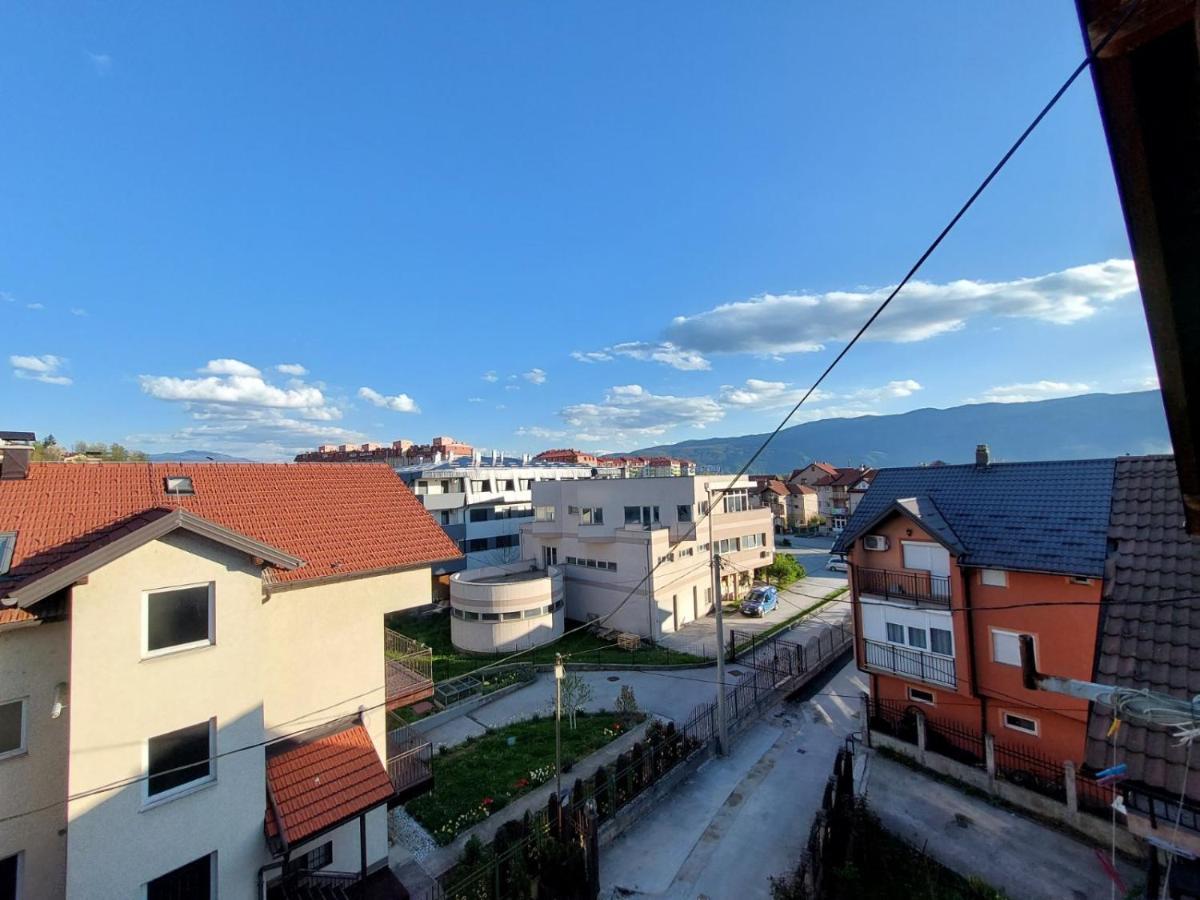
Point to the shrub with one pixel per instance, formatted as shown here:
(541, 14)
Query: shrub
(627, 705)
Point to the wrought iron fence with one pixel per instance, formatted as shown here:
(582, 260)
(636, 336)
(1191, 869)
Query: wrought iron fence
(895, 719)
(1029, 769)
(913, 587)
(956, 741)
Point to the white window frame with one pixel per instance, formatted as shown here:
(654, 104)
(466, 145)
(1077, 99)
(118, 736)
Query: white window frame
(150, 801)
(887, 635)
(999, 578)
(210, 641)
(1037, 725)
(1079, 579)
(929, 632)
(912, 692)
(1007, 633)
(22, 748)
(212, 877)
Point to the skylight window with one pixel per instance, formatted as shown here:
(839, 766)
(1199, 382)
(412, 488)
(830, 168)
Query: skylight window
(8, 540)
(179, 484)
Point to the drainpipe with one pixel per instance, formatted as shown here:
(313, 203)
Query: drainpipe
(972, 668)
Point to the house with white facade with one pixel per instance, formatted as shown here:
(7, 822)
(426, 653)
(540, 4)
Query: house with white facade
(192, 676)
(606, 535)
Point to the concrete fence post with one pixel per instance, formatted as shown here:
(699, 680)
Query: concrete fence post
(866, 718)
(921, 736)
(1070, 785)
(989, 758)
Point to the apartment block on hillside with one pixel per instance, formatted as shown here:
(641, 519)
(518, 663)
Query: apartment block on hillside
(606, 535)
(193, 683)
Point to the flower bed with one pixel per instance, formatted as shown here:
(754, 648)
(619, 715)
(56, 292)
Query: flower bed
(483, 775)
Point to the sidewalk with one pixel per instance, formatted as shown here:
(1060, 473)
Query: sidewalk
(1014, 854)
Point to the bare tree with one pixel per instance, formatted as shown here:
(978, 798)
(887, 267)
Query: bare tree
(575, 693)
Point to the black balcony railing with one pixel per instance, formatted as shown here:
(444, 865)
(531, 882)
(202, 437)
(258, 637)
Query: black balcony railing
(913, 587)
(910, 663)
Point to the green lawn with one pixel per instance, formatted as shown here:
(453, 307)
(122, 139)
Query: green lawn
(434, 632)
(485, 774)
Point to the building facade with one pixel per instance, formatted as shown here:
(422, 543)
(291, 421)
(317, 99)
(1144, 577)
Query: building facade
(177, 641)
(634, 552)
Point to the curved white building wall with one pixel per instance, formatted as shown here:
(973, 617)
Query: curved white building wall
(505, 608)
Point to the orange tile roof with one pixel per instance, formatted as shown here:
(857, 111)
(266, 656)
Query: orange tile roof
(340, 519)
(319, 783)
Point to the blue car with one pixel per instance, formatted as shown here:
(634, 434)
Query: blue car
(762, 600)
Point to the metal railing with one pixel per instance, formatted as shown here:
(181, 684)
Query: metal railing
(304, 883)
(912, 587)
(408, 668)
(409, 764)
(913, 663)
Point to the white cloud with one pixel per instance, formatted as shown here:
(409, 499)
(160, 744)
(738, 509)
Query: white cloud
(34, 306)
(630, 411)
(235, 390)
(512, 387)
(535, 376)
(398, 403)
(664, 352)
(889, 391)
(78, 311)
(229, 367)
(799, 323)
(538, 432)
(1033, 390)
(490, 376)
(474, 399)
(292, 369)
(758, 394)
(1149, 383)
(101, 62)
(46, 368)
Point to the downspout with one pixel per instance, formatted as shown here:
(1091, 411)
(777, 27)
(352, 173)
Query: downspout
(971, 664)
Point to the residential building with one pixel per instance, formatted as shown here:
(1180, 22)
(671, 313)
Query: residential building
(481, 502)
(499, 609)
(646, 467)
(567, 456)
(839, 490)
(772, 494)
(401, 452)
(192, 674)
(944, 562)
(811, 474)
(634, 552)
(803, 505)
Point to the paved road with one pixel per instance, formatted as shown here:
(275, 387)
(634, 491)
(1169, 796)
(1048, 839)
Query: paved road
(742, 818)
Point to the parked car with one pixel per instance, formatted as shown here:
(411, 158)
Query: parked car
(837, 564)
(761, 600)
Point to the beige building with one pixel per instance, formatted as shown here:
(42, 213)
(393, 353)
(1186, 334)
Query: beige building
(606, 535)
(505, 608)
(192, 675)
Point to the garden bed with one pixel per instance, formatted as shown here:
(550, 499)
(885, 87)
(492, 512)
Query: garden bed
(433, 630)
(483, 775)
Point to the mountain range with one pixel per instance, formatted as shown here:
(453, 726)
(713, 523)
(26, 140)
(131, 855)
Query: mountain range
(195, 456)
(1083, 427)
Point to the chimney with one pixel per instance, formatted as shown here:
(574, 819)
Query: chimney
(14, 462)
(983, 456)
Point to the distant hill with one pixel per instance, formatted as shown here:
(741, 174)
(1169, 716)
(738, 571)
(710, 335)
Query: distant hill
(196, 456)
(1088, 426)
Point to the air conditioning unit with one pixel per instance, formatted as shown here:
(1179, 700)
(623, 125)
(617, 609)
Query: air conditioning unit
(875, 542)
(764, 553)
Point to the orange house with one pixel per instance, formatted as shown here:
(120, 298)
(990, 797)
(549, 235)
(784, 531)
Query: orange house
(949, 564)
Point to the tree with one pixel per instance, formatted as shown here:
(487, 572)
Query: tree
(784, 570)
(575, 693)
(627, 705)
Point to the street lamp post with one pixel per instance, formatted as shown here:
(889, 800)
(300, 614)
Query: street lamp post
(722, 724)
(559, 672)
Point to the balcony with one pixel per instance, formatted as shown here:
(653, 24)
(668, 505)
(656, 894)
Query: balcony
(884, 657)
(908, 587)
(409, 765)
(408, 670)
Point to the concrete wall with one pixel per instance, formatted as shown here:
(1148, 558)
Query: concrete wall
(33, 659)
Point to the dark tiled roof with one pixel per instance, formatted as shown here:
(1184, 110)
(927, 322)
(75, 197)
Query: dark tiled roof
(316, 784)
(1035, 516)
(1146, 644)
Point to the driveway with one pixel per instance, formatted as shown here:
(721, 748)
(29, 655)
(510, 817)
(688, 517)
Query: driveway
(741, 818)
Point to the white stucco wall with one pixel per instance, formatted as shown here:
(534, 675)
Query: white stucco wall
(33, 659)
(496, 590)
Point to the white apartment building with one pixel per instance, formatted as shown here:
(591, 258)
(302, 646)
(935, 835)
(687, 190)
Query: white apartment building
(481, 501)
(192, 676)
(606, 535)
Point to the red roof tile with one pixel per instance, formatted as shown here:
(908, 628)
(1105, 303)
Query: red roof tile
(322, 782)
(339, 519)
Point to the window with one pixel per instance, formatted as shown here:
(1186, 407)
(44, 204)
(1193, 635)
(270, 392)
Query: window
(179, 760)
(633, 515)
(10, 877)
(1006, 647)
(550, 556)
(313, 860)
(179, 619)
(13, 726)
(469, 616)
(1079, 579)
(524, 483)
(941, 641)
(591, 515)
(895, 633)
(921, 696)
(8, 540)
(191, 882)
(572, 510)
(916, 637)
(474, 545)
(479, 515)
(510, 616)
(489, 617)
(571, 561)
(508, 485)
(178, 484)
(684, 512)
(506, 540)
(543, 514)
(1020, 723)
(445, 517)
(993, 577)
(736, 501)
(932, 558)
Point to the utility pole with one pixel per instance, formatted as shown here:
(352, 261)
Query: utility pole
(558, 680)
(722, 723)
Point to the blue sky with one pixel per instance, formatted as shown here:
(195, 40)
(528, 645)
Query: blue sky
(599, 225)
